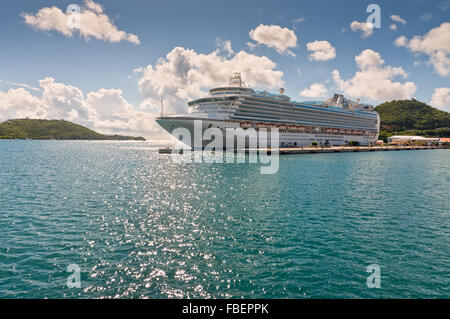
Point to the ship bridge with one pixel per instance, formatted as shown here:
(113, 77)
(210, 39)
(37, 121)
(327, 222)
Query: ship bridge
(236, 86)
(230, 90)
(222, 102)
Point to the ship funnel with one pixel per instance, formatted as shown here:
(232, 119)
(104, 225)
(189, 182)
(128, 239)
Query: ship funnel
(281, 91)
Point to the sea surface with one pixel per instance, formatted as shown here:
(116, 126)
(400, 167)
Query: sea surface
(139, 225)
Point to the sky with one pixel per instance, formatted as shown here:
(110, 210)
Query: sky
(108, 65)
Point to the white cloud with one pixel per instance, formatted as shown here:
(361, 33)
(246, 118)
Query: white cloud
(113, 114)
(251, 45)
(19, 103)
(94, 23)
(316, 90)
(401, 41)
(108, 102)
(224, 46)
(398, 19)
(393, 27)
(441, 99)
(103, 110)
(64, 101)
(374, 80)
(274, 36)
(95, 7)
(368, 58)
(185, 74)
(321, 51)
(24, 85)
(365, 27)
(435, 44)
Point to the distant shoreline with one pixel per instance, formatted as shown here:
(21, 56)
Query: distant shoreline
(37, 129)
(74, 140)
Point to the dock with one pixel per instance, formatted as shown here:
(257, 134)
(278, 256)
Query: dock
(350, 149)
(331, 149)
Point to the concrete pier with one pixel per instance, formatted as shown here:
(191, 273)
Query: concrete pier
(347, 149)
(334, 149)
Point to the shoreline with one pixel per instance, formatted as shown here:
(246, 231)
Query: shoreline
(72, 140)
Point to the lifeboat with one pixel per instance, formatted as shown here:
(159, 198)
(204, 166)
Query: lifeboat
(260, 125)
(282, 127)
(246, 124)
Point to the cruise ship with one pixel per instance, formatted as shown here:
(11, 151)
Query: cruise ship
(336, 121)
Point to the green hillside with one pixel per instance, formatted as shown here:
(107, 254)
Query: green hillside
(53, 129)
(411, 117)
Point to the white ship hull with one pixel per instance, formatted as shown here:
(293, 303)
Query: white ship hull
(286, 138)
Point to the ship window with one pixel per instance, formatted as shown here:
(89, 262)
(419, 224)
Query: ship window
(213, 99)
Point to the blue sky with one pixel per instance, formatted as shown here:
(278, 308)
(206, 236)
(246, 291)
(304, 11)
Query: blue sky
(29, 54)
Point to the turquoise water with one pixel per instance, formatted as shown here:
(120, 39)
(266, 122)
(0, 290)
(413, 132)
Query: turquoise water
(139, 225)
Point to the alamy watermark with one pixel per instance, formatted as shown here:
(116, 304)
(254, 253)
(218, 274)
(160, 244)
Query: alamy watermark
(74, 280)
(229, 145)
(375, 18)
(73, 16)
(374, 279)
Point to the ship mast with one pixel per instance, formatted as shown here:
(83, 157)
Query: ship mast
(236, 80)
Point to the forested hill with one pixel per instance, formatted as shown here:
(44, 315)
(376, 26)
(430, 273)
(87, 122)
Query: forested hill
(405, 115)
(53, 129)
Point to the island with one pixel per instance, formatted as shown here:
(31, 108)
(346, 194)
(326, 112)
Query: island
(54, 130)
(412, 117)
